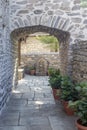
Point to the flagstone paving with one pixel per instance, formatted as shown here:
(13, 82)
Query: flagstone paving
(32, 107)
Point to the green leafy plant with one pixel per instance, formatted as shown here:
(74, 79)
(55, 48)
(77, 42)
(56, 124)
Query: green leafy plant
(68, 91)
(32, 68)
(28, 69)
(82, 90)
(53, 72)
(80, 105)
(55, 82)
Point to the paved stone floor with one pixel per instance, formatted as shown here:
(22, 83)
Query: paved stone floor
(32, 107)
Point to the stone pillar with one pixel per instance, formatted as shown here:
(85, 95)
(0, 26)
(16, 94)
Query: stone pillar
(80, 61)
(63, 53)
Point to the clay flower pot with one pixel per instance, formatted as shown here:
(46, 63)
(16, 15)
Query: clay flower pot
(79, 126)
(67, 109)
(56, 93)
(32, 72)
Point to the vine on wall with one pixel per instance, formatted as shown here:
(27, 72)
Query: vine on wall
(84, 3)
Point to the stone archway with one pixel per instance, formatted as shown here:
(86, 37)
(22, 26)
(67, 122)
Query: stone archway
(62, 36)
(58, 15)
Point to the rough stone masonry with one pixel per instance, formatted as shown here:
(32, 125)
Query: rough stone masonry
(67, 16)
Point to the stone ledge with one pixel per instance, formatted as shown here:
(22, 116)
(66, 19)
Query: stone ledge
(20, 74)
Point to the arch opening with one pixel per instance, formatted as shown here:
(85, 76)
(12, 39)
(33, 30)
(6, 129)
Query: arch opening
(22, 33)
(40, 52)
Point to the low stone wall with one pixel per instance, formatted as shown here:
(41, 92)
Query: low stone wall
(33, 59)
(80, 61)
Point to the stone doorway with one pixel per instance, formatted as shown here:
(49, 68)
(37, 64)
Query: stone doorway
(42, 67)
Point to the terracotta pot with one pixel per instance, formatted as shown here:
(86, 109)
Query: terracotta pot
(62, 101)
(32, 72)
(56, 93)
(67, 109)
(79, 126)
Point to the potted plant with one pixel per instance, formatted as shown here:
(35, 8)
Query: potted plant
(68, 93)
(80, 106)
(32, 70)
(55, 82)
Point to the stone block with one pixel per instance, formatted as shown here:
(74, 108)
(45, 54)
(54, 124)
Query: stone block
(20, 74)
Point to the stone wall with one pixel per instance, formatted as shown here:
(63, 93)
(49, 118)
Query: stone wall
(80, 61)
(34, 45)
(65, 15)
(58, 15)
(33, 59)
(6, 71)
(68, 16)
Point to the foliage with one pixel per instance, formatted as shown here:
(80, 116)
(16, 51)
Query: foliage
(28, 68)
(55, 78)
(32, 68)
(68, 91)
(80, 105)
(82, 90)
(55, 81)
(51, 41)
(84, 3)
(53, 72)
